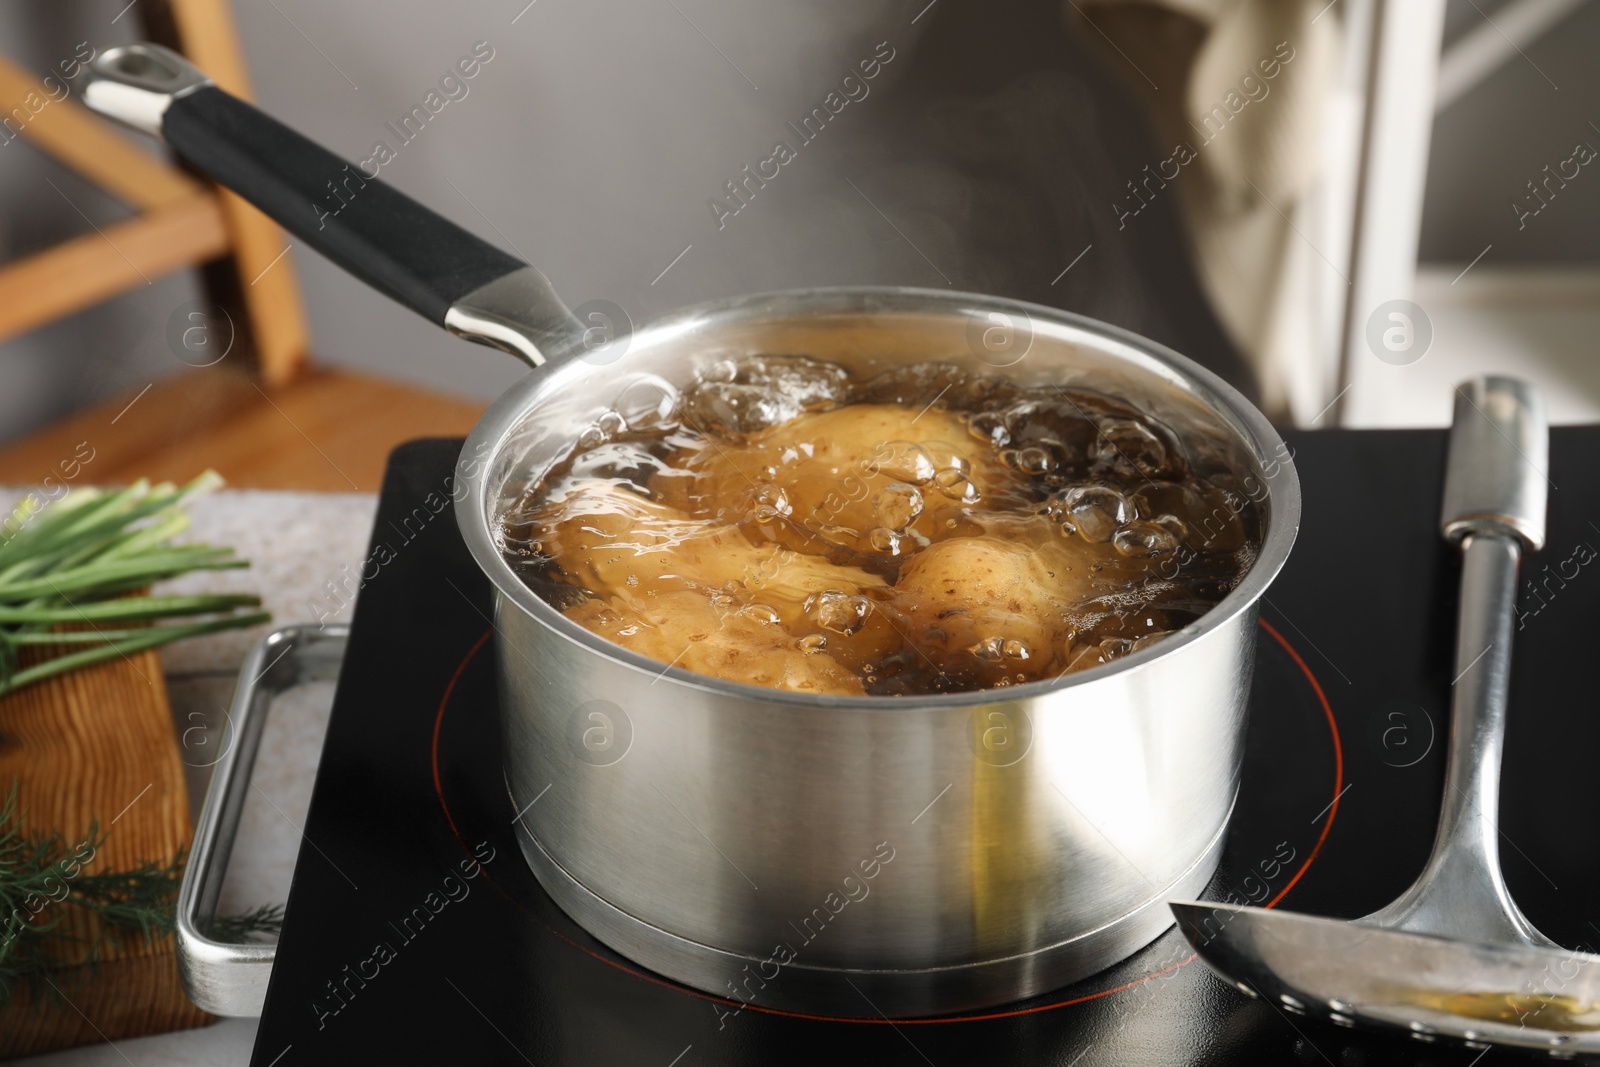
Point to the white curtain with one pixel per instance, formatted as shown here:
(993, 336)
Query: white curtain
(1244, 86)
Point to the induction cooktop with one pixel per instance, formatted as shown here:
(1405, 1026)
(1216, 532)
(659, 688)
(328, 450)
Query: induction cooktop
(415, 932)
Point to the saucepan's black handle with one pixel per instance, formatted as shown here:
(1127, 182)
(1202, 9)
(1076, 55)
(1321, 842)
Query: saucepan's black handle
(380, 235)
(371, 229)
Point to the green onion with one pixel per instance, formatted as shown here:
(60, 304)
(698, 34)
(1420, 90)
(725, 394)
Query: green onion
(74, 560)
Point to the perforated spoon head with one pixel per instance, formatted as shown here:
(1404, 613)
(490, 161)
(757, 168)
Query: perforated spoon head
(1432, 988)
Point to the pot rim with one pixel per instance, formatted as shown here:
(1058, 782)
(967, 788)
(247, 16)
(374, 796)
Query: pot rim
(489, 435)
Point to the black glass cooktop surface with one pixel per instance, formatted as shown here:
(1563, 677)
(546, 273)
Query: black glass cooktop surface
(415, 933)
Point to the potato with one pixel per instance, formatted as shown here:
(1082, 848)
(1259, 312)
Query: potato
(685, 628)
(866, 479)
(992, 606)
(613, 541)
(639, 553)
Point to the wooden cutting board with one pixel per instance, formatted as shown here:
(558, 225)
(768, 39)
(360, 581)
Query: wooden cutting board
(99, 744)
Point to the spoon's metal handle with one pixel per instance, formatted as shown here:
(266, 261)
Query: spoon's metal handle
(1494, 505)
(1495, 480)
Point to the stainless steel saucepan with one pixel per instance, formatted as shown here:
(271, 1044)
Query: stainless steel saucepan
(845, 855)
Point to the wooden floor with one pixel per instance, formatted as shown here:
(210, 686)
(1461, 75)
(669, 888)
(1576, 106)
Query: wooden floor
(328, 430)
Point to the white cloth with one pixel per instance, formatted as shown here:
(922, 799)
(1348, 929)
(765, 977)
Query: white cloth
(1245, 84)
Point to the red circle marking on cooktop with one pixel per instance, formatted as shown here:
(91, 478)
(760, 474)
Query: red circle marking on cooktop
(1333, 810)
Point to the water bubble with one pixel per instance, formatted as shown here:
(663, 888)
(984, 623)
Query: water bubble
(1106, 651)
(1143, 540)
(761, 613)
(1173, 525)
(811, 383)
(999, 649)
(735, 399)
(771, 503)
(989, 650)
(843, 613)
(812, 643)
(1032, 460)
(1133, 449)
(896, 506)
(946, 456)
(729, 409)
(990, 426)
(903, 461)
(888, 542)
(954, 483)
(648, 404)
(1061, 428)
(1096, 510)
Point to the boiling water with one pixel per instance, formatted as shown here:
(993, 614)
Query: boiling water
(927, 530)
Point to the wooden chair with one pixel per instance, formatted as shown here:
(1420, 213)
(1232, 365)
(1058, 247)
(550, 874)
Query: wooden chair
(290, 424)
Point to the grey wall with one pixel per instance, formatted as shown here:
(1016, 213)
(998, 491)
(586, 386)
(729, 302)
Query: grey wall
(1489, 144)
(592, 141)
(589, 144)
(107, 349)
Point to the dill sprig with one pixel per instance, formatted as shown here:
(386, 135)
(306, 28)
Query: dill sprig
(42, 883)
(254, 925)
(76, 561)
